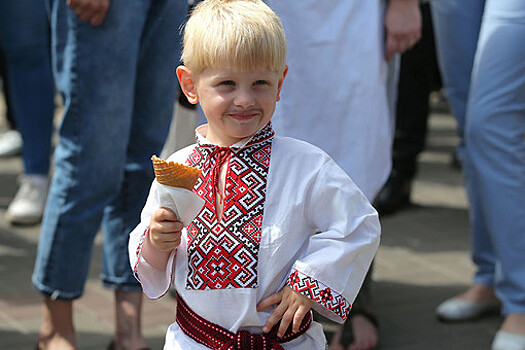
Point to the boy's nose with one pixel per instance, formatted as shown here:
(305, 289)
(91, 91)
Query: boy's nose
(244, 99)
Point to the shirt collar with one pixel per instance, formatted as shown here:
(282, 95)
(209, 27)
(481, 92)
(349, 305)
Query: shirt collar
(265, 133)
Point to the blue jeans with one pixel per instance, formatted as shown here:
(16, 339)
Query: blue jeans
(24, 42)
(494, 139)
(456, 30)
(118, 83)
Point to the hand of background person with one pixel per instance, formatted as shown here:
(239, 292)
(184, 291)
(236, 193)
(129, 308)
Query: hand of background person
(92, 11)
(291, 307)
(165, 230)
(402, 26)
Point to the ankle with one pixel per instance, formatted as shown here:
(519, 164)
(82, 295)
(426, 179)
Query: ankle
(479, 293)
(514, 323)
(57, 330)
(56, 341)
(128, 333)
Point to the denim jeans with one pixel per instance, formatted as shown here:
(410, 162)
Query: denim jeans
(456, 30)
(495, 147)
(494, 141)
(118, 83)
(24, 42)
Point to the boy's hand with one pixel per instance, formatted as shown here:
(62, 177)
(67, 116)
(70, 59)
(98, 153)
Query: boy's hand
(92, 11)
(293, 306)
(165, 230)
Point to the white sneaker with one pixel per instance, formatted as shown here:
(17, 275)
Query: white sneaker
(10, 143)
(508, 341)
(462, 310)
(28, 205)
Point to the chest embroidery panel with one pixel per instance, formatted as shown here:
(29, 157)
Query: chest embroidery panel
(223, 252)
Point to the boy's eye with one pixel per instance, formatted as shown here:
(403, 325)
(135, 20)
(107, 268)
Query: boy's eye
(261, 82)
(228, 82)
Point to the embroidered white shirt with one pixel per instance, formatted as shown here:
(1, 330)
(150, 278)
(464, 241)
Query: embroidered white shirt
(313, 230)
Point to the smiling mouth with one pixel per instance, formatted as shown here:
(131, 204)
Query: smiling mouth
(243, 115)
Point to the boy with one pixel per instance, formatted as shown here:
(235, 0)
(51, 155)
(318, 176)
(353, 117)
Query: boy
(250, 266)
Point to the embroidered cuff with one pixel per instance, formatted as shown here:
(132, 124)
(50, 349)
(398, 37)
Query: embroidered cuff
(320, 294)
(155, 283)
(138, 252)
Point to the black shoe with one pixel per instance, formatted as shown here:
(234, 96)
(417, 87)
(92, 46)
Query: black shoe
(394, 196)
(455, 162)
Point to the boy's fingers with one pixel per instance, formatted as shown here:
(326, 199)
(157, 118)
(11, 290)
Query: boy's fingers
(269, 301)
(169, 237)
(287, 318)
(272, 320)
(171, 226)
(165, 214)
(178, 226)
(166, 242)
(298, 318)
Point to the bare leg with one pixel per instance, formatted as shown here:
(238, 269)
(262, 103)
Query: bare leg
(57, 330)
(128, 334)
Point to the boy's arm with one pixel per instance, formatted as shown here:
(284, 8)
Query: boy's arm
(162, 237)
(155, 258)
(156, 277)
(332, 268)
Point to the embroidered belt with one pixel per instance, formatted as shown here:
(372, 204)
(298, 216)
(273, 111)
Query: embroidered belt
(218, 338)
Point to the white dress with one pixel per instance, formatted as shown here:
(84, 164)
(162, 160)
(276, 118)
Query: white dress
(279, 193)
(334, 95)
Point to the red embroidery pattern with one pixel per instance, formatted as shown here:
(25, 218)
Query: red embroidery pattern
(320, 294)
(138, 253)
(222, 252)
(214, 336)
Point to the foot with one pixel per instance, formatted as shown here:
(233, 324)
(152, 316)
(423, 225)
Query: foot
(29, 202)
(365, 335)
(56, 341)
(476, 302)
(511, 335)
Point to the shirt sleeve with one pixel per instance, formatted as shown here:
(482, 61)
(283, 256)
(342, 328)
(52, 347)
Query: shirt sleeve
(333, 266)
(155, 283)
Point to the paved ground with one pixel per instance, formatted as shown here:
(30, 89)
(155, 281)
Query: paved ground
(423, 259)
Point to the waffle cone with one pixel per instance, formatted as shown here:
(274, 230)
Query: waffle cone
(174, 174)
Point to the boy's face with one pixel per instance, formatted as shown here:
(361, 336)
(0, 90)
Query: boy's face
(236, 104)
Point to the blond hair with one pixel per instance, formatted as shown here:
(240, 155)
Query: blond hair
(241, 34)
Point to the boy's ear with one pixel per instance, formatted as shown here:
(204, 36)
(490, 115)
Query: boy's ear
(187, 84)
(280, 84)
